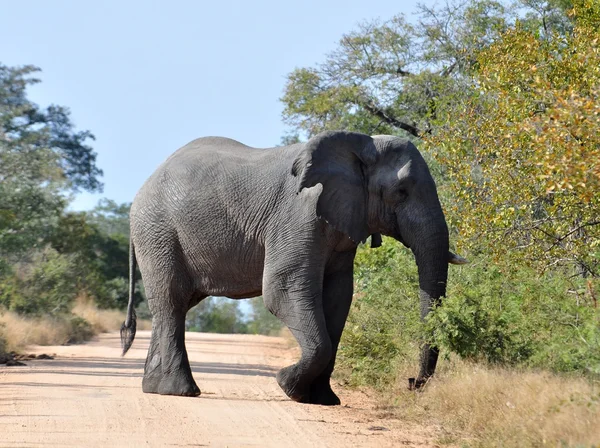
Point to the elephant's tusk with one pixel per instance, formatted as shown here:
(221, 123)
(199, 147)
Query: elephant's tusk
(456, 259)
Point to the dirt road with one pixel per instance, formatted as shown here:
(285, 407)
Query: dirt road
(91, 397)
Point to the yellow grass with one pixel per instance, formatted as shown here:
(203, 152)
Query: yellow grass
(479, 406)
(103, 321)
(19, 331)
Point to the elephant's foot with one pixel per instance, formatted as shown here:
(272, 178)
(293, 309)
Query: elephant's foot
(178, 383)
(418, 384)
(287, 378)
(150, 383)
(316, 393)
(321, 393)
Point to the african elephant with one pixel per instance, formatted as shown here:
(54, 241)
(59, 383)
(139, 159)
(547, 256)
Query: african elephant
(220, 218)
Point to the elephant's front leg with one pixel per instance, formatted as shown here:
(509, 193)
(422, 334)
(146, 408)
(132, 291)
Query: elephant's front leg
(295, 298)
(337, 298)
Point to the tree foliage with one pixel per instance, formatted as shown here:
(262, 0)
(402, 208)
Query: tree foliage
(49, 255)
(504, 95)
(26, 129)
(393, 76)
(522, 151)
(400, 77)
(221, 315)
(260, 320)
(502, 98)
(41, 158)
(216, 315)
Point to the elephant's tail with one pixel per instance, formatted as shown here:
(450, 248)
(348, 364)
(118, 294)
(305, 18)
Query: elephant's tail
(129, 326)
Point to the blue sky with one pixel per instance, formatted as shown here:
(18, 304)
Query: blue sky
(146, 77)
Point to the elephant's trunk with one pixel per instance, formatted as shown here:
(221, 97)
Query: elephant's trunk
(432, 262)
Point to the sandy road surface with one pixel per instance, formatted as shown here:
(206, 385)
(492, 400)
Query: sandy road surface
(91, 397)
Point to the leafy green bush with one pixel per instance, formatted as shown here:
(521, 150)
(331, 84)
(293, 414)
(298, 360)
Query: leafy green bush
(497, 313)
(81, 330)
(111, 293)
(383, 326)
(484, 317)
(221, 315)
(2, 341)
(512, 315)
(47, 284)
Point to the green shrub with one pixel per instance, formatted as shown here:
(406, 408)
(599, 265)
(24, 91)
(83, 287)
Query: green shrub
(383, 326)
(112, 293)
(81, 330)
(498, 313)
(2, 340)
(216, 315)
(512, 315)
(570, 340)
(482, 319)
(47, 284)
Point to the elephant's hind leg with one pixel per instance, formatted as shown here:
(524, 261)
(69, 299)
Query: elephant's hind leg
(177, 376)
(167, 370)
(153, 367)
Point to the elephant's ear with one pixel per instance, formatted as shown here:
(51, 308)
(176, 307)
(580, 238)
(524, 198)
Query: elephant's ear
(337, 160)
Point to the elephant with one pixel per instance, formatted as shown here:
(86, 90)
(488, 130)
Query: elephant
(219, 218)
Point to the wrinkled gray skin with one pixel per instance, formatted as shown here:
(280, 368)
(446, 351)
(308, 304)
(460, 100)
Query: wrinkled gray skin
(220, 218)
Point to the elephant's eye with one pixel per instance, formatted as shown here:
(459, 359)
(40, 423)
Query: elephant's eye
(402, 194)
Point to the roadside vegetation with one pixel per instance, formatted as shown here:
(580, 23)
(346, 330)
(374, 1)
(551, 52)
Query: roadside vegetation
(64, 274)
(502, 97)
(222, 315)
(50, 256)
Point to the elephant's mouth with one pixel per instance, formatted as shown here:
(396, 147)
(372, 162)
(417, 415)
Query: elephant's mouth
(402, 240)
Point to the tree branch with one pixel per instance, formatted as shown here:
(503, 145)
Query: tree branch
(400, 71)
(448, 70)
(372, 109)
(568, 234)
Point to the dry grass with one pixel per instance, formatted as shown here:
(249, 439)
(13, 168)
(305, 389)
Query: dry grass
(103, 321)
(18, 331)
(490, 407)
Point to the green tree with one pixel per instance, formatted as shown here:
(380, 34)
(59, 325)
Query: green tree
(261, 321)
(103, 257)
(401, 77)
(216, 315)
(42, 157)
(522, 152)
(111, 218)
(393, 77)
(47, 283)
(48, 256)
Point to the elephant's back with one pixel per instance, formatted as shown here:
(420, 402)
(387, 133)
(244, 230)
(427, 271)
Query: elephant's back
(212, 202)
(222, 150)
(221, 159)
(214, 174)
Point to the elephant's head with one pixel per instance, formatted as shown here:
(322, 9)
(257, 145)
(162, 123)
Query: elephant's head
(382, 185)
